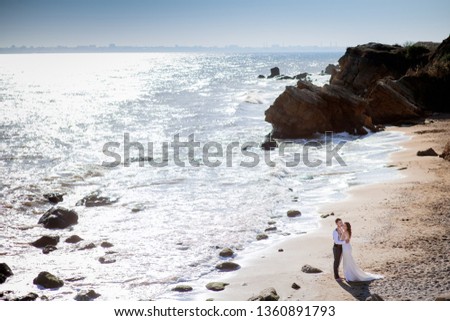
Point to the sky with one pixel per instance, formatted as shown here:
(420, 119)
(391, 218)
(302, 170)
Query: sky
(255, 23)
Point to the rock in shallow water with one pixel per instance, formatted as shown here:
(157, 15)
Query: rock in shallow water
(58, 218)
(73, 239)
(106, 244)
(226, 252)
(29, 297)
(88, 246)
(106, 260)
(86, 295)
(5, 272)
(94, 199)
(182, 288)
(48, 280)
(261, 237)
(228, 266)
(46, 240)
(293, 213)
(54, 198)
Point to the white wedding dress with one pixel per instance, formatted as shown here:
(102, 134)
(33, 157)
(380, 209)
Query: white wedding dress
(352, 271)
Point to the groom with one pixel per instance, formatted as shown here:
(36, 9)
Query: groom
(337, 248)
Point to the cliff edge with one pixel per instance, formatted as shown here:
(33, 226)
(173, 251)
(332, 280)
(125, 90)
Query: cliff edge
(375, 84)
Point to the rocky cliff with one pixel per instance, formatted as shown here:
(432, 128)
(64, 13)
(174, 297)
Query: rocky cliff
(375, 84)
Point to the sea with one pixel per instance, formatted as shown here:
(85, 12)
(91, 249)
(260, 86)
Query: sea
(172, 141)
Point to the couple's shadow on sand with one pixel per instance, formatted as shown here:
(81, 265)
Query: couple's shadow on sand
(359, 290)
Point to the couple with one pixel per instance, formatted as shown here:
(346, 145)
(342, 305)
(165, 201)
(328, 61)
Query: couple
(343, 249)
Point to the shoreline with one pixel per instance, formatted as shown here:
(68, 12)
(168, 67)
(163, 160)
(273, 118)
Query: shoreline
(383, 218)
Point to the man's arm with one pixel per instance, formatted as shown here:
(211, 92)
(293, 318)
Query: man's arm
(336, 238)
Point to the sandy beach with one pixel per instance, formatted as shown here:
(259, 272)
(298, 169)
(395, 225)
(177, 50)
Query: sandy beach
(400, 228)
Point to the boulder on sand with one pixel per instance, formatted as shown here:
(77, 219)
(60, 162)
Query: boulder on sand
(269, 294)
(428, 152)
(310, 269)
(216, 286)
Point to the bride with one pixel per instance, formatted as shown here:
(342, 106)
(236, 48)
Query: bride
(352, 272)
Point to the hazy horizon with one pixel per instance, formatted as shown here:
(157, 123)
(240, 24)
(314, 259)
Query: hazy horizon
(251, 23)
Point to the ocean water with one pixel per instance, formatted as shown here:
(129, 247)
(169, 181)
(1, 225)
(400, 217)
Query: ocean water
(57, 112)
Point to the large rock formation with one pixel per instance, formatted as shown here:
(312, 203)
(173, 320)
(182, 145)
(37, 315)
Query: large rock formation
(375, 84)
(306, 109)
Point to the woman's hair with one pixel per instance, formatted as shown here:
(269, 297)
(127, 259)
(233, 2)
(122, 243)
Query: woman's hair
(349, 229)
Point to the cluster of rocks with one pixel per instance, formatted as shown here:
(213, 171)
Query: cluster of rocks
(275, 73)
(59, 218)
(375, 84)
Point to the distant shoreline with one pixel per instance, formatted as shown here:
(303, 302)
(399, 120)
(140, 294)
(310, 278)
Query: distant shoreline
(133, 49)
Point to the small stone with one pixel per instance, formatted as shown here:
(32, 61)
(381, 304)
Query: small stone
(228, 266)
(271, 222)
(48, 280)
(106, 244)
(216, 286)
(309, 269)
(280, 250)
(293, 213)
(295, 286)
(260, 237)
(86, 295)
(182, 288)
(73, 239)
(270, 229)
(226, 252)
